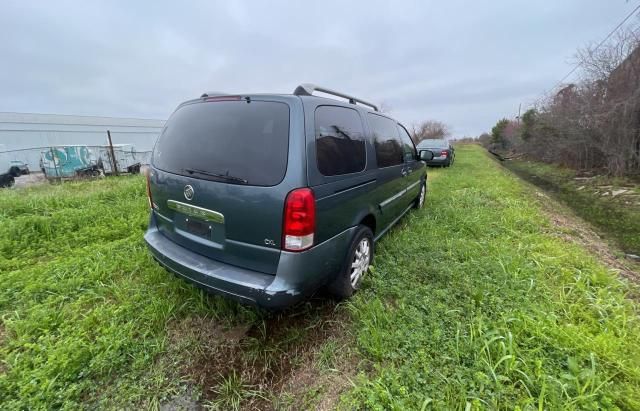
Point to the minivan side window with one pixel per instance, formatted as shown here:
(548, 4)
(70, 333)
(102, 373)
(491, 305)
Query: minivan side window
(408, 148)
(340, 146)
(386, 141)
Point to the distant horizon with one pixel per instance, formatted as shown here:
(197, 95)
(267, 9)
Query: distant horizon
(80, 115)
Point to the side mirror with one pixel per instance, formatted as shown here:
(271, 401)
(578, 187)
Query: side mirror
(426, 155)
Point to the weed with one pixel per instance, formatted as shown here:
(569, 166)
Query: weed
(327, 355)
(473, 304)
(231, 393)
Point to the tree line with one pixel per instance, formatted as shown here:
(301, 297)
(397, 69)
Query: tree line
(593, 123)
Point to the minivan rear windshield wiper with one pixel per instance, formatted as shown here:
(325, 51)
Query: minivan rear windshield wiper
(220, 176)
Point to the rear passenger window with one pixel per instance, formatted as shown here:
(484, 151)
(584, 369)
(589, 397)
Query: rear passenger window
(386, 141)
(339, 141)
(408, 148)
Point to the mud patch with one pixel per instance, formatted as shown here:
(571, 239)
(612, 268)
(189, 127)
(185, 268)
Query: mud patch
(207, 349)
(258, 363)
(181, 403)
(325, 371)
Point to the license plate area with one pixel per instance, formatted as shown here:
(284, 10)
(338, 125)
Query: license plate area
(199, 228)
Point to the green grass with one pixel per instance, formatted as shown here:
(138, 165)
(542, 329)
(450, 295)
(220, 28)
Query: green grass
(84, 309)
(471, 303)
(617, 218)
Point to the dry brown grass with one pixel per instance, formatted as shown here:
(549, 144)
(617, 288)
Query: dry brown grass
(276, 358)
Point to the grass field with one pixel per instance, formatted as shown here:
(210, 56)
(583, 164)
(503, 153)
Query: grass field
(594, 198)
(474, 302)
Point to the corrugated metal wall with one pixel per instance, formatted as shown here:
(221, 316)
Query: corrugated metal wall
(28, 132)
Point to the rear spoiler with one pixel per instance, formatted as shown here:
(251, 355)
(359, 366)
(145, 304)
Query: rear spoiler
(307, 89)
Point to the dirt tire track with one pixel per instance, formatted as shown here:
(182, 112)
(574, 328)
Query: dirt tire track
(275, 355)
(574, 229)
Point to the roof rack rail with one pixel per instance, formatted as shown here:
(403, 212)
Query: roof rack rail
(307, 89)
(213, 94)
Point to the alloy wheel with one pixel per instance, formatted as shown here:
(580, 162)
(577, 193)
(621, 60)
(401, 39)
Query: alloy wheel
(360, 262)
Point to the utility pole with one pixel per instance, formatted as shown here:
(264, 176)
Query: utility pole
(519, 109)
(55, 166)
(114, 164)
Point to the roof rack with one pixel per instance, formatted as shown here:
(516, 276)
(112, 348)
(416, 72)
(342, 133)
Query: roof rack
(213, 94)
(307, 89)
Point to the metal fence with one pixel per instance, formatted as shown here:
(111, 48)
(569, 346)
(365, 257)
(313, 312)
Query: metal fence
(72, 161)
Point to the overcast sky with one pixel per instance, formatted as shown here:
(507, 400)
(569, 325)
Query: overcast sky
(466, 63)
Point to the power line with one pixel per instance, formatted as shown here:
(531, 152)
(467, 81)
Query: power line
(577, 66)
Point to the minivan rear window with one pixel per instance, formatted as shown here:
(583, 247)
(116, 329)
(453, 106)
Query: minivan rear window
(237, 142)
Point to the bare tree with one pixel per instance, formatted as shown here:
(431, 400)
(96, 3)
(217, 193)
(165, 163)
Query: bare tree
(429, 129)
(595, 122)
(597, 63)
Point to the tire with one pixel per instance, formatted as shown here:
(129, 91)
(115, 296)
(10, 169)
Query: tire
(349, 279)
(422, 196)
(14, 171)
(7, 181)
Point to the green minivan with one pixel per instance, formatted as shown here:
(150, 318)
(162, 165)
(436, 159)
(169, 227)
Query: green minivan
(266, 198)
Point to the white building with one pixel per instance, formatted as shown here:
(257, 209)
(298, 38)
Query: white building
(24, 135)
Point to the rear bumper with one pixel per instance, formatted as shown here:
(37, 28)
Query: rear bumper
(438, 161)
(298, 274)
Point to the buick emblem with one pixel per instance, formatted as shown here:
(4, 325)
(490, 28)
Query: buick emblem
(188, 192)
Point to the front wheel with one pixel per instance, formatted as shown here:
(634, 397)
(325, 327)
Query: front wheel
(419, 203)
(356, 265)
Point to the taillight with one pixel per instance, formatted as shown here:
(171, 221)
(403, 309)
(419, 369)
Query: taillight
(147, 173)
(444, 153)
(299, 223)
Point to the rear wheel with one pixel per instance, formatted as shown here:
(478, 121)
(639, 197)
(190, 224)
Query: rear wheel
(356, 265)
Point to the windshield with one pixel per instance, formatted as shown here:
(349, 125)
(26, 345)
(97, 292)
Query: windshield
(238, 142)
(433, 144)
